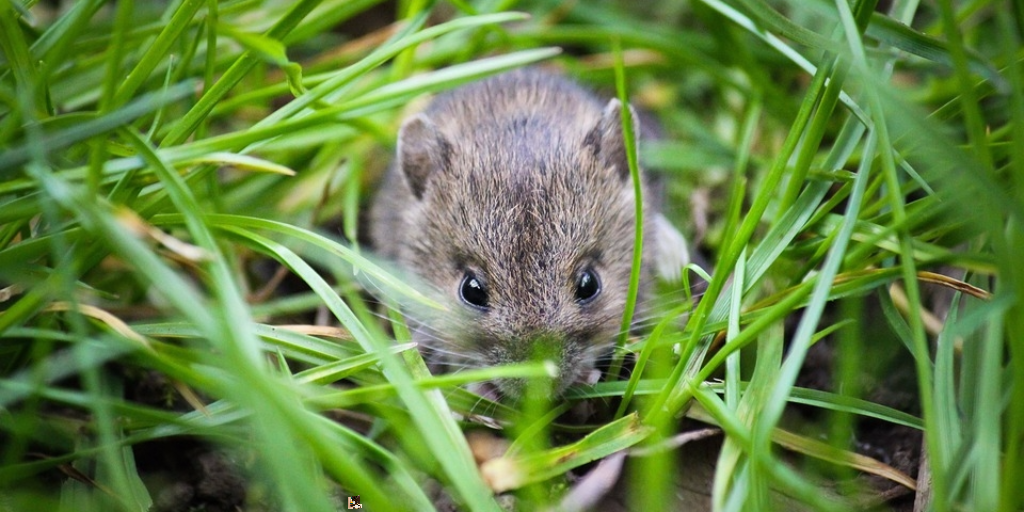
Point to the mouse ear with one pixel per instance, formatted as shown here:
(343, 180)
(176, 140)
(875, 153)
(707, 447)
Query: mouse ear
(606, 139)
(422, 151)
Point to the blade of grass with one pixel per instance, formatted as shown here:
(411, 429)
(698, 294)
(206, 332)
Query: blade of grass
(97, 126)
(241, 67)
(629, 142)
(156, 52)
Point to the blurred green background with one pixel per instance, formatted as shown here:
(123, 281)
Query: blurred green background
(181, 283)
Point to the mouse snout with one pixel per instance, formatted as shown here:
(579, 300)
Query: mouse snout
(542, 346)
(563, 350)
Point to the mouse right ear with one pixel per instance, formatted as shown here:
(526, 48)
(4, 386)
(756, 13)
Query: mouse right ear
(606, 139)
(422, 150)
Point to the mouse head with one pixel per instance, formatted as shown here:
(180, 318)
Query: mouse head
(526, 224)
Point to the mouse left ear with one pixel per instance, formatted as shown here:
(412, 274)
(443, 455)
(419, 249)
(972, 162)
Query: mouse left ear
(422, 151)
(606, 140)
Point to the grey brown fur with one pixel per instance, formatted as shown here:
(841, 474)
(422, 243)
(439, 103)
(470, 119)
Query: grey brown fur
(521, 179)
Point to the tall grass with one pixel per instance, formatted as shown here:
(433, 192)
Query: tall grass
(160, 161)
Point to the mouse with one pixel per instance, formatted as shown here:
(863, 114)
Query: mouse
(512, 199)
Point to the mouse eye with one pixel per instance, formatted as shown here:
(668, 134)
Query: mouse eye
(587, 286)
(473, 291)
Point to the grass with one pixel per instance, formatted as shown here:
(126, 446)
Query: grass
(161, 161)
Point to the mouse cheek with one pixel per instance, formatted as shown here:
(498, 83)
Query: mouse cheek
(579, 352)
(575, 365)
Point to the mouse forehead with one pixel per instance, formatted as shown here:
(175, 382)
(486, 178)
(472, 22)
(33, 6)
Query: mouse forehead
(529, 203)
(531, 161)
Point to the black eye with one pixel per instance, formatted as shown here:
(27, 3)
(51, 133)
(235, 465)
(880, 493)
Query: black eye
(473, 291)
(587, 286)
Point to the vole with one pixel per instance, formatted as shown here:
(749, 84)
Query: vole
(512, 196)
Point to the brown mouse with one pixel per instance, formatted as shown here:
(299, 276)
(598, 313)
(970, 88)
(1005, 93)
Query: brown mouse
(512, 197)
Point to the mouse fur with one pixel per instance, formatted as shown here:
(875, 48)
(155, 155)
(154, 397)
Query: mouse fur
(520, 181)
